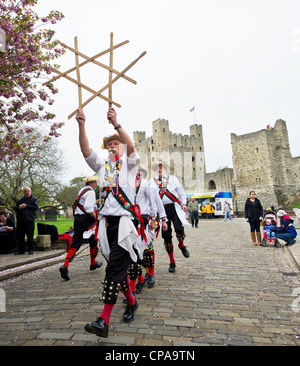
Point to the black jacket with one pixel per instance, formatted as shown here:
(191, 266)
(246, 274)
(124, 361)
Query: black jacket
(29, 212)
(253, 210)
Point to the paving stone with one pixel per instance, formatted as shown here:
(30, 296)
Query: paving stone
(227, 293)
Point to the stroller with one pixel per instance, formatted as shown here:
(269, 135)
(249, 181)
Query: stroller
(272, 216)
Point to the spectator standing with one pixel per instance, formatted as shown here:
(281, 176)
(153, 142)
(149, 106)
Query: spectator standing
(193, 208)
(227, 212)
(254, 215)
(26, 209)
(210, 210)
(202, 211)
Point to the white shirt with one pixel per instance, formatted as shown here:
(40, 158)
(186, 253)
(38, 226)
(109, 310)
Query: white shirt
(88, 201)
(174, 187)
(127, 176)
(160, 207)
(145, 199)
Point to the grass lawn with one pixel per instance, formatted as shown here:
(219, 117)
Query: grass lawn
(296, 205)
(61, 224)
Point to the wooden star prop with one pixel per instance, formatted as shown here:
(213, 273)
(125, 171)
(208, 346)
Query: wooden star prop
(111, 79)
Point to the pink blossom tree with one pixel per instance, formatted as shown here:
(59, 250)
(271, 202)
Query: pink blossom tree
(26, 52)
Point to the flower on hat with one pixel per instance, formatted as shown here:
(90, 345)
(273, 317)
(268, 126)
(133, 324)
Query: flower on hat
(106, 139)
(94, 178)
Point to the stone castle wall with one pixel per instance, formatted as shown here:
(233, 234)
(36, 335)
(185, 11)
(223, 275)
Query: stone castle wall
(262, 162)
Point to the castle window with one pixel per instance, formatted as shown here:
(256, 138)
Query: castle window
(257, 149)
(211, 185)
(258, 181)
(175, 145)
(193, 159)
(200, 148)
(164, 130)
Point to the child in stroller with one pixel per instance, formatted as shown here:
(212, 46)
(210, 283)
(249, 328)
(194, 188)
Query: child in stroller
(269, 221)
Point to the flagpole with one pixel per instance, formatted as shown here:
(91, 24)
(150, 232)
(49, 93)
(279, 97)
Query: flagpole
(195, 114)
(194, 110)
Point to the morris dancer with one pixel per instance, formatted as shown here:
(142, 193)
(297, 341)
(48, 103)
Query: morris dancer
(84, 219)
(146, 199)
(117, 233)
(169, 190)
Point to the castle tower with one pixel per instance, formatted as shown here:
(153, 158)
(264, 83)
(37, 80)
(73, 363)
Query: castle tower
(183, 153)
(262, 162)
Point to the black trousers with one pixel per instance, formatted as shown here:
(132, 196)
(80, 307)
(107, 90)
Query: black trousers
(119, 258)
(254, 225)
(172, 217)
(195, 218)
(7, 242)
(25, 228)
(82, 224)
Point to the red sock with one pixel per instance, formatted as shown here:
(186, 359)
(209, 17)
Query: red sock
(93, 255)
(132, 285)
(171, 256)
(106, 312)
(70, 254)
(151, 271)
(180, 244)
(141, 279)
(129, 297)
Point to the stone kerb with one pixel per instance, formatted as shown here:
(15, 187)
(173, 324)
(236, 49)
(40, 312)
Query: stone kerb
(297, 220)
(43, 242)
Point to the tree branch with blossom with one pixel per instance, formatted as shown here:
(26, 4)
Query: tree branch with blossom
(27, 57)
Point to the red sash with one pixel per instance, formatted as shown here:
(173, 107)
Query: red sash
(163, 190)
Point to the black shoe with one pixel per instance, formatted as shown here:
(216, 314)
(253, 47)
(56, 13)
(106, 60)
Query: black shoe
(172, 267)
(185, 252)
(292, 243)
(128, 315)
(98, 327)
(151, 281)
(263, 243)
(277, 244)
(18, 253)
(139, 286)
(94, 266)
(64, 272)
(31, 251)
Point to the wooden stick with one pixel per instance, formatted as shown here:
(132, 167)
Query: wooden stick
(78, 73)
(106, 86)
(88, 59)
(101, 64)
(86, 87)
(111, 55)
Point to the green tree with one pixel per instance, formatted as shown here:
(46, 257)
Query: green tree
(39, 168)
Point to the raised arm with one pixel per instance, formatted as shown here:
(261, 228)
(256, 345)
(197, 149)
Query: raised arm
(83, 140)
(112, 116)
